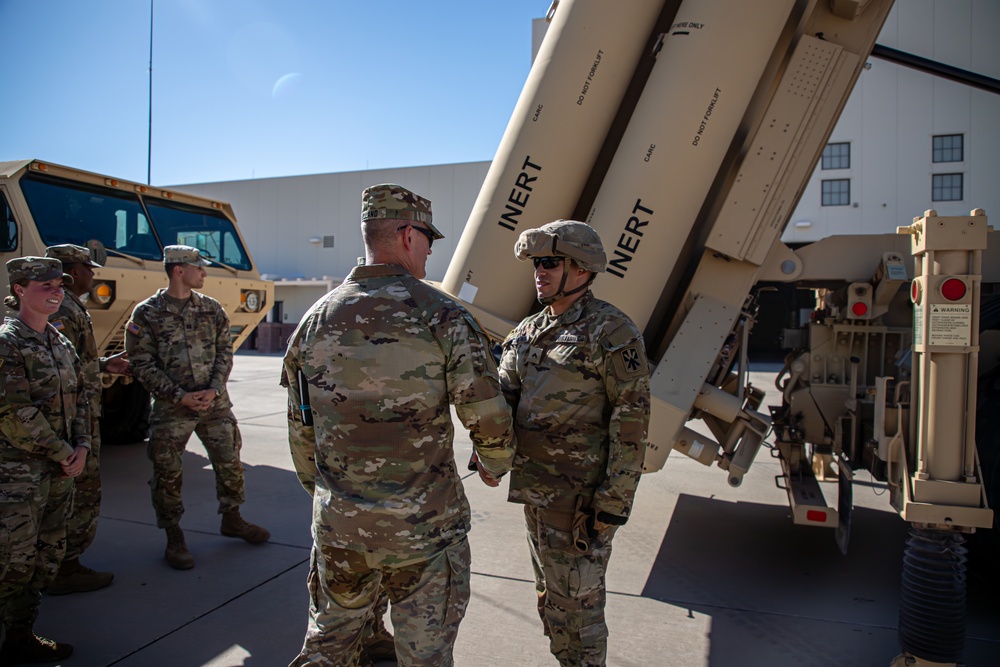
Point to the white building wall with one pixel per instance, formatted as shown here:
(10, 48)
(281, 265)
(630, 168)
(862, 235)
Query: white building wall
(893, 115)
(279, 216)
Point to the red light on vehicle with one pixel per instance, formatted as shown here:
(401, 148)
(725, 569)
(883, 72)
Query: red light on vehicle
(860, 309)
(953, 289)
(818, 516)
(915, 292)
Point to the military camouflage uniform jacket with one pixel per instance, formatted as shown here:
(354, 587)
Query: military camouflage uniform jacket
(173, 353)
(73, 321)
(383, 355)
(580, 386)
(43, 404)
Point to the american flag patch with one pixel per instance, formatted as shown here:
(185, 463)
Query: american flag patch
(133, 328)
(58, 324)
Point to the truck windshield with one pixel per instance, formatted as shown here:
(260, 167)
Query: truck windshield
(70, 212)
(209, 231)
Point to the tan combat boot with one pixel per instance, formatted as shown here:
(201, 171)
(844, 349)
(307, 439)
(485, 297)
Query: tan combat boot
(233, 525)
(22, 646)
(76, 578)
(177, 553)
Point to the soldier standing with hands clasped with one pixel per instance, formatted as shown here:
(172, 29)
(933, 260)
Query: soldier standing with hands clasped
(381, 357)
(577, 377)
(44, 443)
(73, 321)
(179, 346)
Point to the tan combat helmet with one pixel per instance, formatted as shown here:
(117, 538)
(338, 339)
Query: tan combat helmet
(564, 238)
(570, 239)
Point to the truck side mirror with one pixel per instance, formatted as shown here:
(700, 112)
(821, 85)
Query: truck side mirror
(98, 252)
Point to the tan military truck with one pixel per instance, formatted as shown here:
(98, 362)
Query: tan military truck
(126, 225)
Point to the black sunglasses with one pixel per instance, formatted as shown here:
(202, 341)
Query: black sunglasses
(548, 263)
(426, 232)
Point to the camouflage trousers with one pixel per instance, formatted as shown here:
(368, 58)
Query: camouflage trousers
(375, 629)
(429, 597)
(170, 428)
(571, 587)
(34, 501)
(81, 524)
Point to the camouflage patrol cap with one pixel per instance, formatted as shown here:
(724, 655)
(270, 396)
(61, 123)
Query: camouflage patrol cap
(389, 201)
(184, 254)
(38, 269)
(564, 238)
(67, 253)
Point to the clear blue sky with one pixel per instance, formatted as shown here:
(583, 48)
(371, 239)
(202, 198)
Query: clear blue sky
(245, 88)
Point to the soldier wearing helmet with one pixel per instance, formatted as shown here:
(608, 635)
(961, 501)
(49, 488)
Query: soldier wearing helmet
(577, 378)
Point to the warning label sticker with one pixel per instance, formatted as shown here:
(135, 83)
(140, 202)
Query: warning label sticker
(950, 324)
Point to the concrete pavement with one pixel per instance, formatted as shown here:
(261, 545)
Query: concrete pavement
(703, 574)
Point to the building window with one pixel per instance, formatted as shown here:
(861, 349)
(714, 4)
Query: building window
(946, 187)
(837, 156)
(837, 192)
(949, 148)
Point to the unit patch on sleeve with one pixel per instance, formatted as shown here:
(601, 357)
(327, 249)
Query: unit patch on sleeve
(630, 361)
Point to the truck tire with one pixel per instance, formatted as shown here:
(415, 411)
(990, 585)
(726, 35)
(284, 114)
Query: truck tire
(125, 418)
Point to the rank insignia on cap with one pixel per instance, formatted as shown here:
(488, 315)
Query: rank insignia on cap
(58, 324)
(133, 328)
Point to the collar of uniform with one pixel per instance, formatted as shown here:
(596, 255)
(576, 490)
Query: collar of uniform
(377, 271)
(24, 331)
(574, 312)
(75, 299)
(163, 303)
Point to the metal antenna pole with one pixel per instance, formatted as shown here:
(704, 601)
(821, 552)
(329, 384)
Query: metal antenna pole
(149, 146)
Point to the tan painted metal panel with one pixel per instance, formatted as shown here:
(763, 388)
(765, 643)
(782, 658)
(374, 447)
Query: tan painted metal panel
(690, 110)
(557, 129)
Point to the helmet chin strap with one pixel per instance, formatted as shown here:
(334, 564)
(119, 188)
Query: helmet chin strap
(560, 293)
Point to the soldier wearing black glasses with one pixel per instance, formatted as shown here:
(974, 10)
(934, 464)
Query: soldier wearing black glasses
(577, 378)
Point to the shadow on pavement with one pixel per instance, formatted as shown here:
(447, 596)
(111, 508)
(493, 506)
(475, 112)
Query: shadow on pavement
(241, 604)
(780, 594)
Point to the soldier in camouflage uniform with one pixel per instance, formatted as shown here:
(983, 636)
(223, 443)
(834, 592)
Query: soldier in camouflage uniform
(179, 347)
(73, 321)
(577, 377)
(44, 442)
(381, 357)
